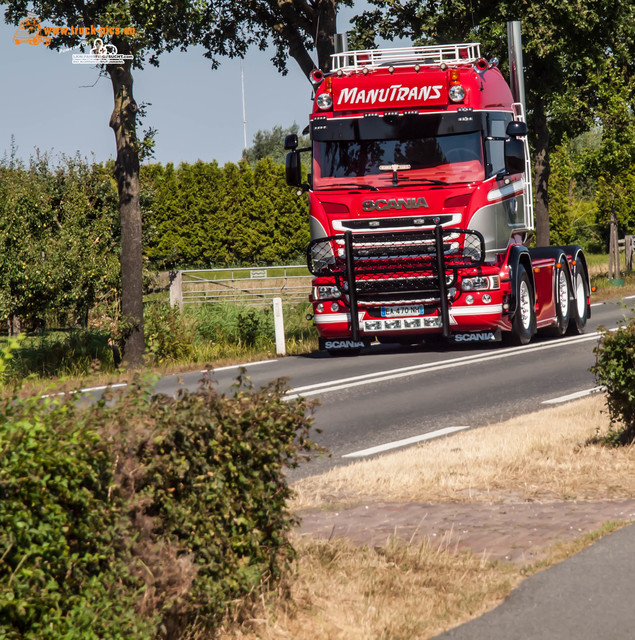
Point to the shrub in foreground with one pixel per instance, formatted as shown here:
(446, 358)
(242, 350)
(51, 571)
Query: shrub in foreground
(145, 518)
(615, 369)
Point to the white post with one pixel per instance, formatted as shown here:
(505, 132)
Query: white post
(176, 290)
(278, 321)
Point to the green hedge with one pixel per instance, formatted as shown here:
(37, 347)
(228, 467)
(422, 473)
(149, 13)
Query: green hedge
(146, 517)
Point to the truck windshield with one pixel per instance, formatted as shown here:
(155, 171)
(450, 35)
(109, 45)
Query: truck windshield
(381, 152)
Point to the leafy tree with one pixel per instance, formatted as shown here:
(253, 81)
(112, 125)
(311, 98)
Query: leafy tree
(616, 194)
(158, 27)
(564, 45)
(58, 240)
(294, 27)
(270, 144)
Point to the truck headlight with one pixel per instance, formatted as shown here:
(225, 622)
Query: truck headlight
(456, 93)
(328, 291)
(324, 101)
(480, 283)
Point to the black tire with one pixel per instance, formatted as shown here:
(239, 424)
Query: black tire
(579, 309)
(562, 296)
(524, 320)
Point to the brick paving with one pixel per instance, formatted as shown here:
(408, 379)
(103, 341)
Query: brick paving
(519, 532)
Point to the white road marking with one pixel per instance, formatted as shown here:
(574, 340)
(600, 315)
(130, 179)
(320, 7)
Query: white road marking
(236, 366)
(119, 385)
(402, 443)
(599, 304)
(395, 374)
(575, 396)
(86, 390)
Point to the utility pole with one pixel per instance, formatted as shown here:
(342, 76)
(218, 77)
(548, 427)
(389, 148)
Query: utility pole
(242, 82)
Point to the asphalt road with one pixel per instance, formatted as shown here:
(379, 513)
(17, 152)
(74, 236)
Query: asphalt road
(388, 394)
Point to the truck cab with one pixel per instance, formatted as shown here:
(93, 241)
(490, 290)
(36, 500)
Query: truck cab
(420, 202)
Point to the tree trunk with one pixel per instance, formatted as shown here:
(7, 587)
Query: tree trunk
(123, 123)
(325, 33)
(14, 325)
(542, 170)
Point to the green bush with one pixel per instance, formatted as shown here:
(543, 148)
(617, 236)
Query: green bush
(63, 556)
(143, 516)
(168, 337)
(615, 369)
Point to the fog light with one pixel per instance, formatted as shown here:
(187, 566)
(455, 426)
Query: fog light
(412, 323)
(469, 299)
(335, 306)
(487, 298)
(392, 324)
(372, 325)
(319, 307)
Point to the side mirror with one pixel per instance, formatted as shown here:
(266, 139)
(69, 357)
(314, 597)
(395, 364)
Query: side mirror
(514, 155)
(293, 169)
(291, 142)
(516, 128)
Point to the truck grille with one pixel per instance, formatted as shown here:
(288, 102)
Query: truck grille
(398, 267)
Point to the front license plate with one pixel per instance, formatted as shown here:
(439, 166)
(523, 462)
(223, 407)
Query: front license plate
(410, 310)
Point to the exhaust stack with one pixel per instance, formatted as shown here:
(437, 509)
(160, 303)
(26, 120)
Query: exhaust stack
(515, 51)
(341, 42)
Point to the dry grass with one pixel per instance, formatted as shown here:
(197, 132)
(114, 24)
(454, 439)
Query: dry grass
(541, 455)
(342, 592)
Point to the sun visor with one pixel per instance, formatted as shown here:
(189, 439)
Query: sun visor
(394, 127)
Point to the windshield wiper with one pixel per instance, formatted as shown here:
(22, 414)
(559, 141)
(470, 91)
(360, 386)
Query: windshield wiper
(348, 185)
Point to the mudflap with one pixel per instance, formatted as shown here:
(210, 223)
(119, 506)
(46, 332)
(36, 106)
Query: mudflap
(475, 337)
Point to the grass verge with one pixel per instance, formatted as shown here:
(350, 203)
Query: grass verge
(540, 455)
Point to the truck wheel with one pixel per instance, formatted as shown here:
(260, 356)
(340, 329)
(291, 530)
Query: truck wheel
(525, 316)
(578, 321)
(563, 308)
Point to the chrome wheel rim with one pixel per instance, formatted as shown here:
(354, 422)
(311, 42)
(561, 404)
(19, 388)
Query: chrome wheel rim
(524, 305)
(563, 293)
(580, 296)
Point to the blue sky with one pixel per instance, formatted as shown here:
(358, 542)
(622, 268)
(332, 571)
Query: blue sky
(48, 102)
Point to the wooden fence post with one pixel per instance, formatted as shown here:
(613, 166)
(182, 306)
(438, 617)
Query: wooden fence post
(614, 248)
(629, 248)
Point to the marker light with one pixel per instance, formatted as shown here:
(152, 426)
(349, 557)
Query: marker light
(454, 76)
(456, 93)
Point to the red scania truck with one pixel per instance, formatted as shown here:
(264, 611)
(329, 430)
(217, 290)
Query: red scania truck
(420, 202)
